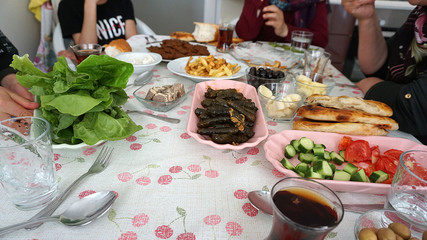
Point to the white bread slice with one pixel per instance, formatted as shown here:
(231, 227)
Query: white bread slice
(205, 32)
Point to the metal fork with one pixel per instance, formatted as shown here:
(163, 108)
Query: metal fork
(98, 166)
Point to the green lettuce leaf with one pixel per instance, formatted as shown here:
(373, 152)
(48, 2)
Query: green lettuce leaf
(82, 105)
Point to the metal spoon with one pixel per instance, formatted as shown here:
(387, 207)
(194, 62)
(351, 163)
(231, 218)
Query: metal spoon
(261, 200)
(81, 212)
(166, 119)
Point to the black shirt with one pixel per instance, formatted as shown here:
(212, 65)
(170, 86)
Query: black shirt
(111, 18)
(7, 50)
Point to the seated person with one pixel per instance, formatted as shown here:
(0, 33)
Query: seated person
(396, 69)
(15, 100)
(274, 20)
(96, 21)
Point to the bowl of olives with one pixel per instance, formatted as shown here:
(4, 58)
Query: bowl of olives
(259, 75)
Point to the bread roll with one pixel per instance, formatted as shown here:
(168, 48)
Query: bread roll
(343, 128)
(205, 32)
(319, 113)
(351, 103)
(116, 47)
(185, 36)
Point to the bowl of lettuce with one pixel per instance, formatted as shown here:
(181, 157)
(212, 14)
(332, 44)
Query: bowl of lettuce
(82, 105)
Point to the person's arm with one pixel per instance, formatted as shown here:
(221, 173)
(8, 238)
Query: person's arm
(408, 102)
(251, 20)
(372, 50)
(12, 104)
(88, 32)
(130, 28)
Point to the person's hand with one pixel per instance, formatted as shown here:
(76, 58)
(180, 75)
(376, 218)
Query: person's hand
(274, 17)
(360, 9)
(11, 83)
(12, 104)
(367, 83)
(67, 54)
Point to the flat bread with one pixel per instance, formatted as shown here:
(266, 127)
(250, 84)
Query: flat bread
(351, 103)
(319, 113)
(185, 36)
(343, 128)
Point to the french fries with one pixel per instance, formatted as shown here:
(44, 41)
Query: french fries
(277, 64)
(211, 67)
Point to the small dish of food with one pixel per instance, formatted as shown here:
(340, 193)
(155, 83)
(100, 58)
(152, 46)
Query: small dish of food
(141, 62)
(279, 101)
(259, 75)
(164, 94)
(309, 84)
(241, 123)
(376, 224)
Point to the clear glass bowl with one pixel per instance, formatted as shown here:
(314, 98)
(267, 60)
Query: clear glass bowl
(381, 218)
(321, 85)
(141, 92)
(256, 81)
(281, 102)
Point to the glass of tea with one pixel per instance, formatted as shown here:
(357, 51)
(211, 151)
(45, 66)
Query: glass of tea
(83, 50)
(303, 209)
(225, 37)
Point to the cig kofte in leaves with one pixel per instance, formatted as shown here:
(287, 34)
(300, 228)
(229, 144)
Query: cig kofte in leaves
(226, 117)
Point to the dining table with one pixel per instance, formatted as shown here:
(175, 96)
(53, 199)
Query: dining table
(169, 186)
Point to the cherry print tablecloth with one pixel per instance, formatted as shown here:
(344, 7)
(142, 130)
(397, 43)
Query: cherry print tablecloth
(171, 187)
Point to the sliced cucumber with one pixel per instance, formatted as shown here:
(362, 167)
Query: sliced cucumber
(295, 144)
(290, 151)
(317, 145)
(341, 175)
(302, 168)
(359, 176)
(337, 158)
(378, 176)
(342, 154)
(313, 174)
(305, 145)
(306, 157)
(323, 168)
(319, 151)
(287, 164)
(327, 156)
(334, 168)
(350, 168)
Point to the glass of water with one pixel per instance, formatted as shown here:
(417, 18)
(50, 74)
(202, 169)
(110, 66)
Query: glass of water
(27, 171)
(300, 41)
(408, 191)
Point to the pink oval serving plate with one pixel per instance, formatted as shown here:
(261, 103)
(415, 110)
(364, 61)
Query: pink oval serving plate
(260, 128)
(275, 145)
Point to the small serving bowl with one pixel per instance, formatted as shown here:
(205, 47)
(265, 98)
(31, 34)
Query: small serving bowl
(256, 80)
(137, 59)
(381, 218)
(279, 101)
(141, 92)
(319, 84)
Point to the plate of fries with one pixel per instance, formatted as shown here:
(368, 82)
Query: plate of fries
(204, 68)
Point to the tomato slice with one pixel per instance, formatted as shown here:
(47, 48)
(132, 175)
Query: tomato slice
(393, 154)
(367, 166)
(375, 154)
(386, 164)
(345, 141)
(358, 151)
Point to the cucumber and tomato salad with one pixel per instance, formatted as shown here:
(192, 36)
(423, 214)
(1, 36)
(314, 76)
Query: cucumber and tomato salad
(360, 161)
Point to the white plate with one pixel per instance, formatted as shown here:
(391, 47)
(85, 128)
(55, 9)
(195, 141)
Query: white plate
(177, 66)
(76, 146)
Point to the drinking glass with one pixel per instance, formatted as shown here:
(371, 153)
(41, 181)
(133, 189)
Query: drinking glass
(300, 40)
(27, 171)
(84, 50)
(225, 38)
(408, 191)
(315, 61)
(303, 209)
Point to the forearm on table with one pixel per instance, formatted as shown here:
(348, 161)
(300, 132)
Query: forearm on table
(88, 33)
(372, 50)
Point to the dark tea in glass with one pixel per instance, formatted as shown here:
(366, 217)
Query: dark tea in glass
(82, 51)
(304, 209)
(225, 37)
